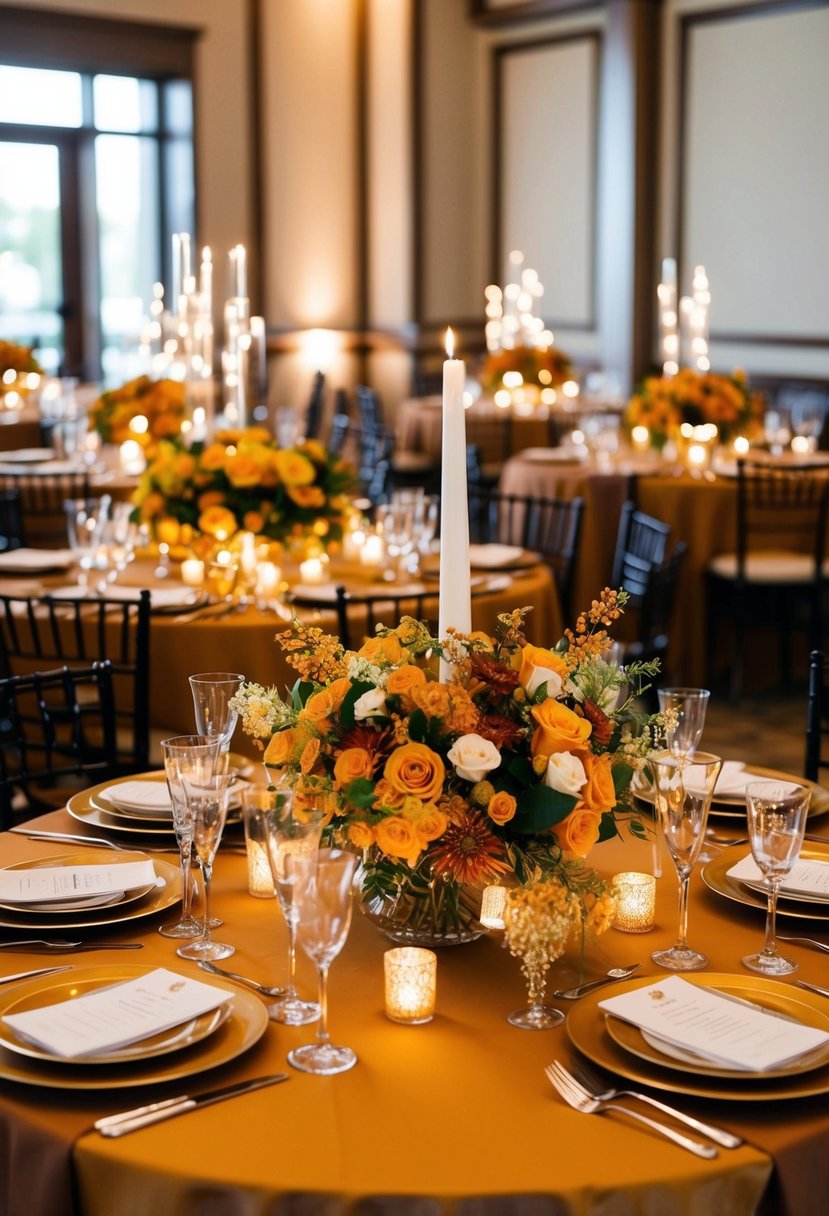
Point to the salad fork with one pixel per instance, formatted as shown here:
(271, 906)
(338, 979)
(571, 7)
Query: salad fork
(593, 1085)
(580, 1100)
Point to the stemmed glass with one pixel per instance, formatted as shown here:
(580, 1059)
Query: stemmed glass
(690, 705)
(776, 823)
(212, 692)
(207, 799)
(683, 789)
(323, 898)
(396, 521)
(292, 836)
(186, 757)
(84, 520)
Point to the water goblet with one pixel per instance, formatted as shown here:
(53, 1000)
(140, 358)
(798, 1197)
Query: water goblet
(84, 520)
(190, 757)
(207, 799)
(212, 694)
(292, 834)
(690, 705)
(324, 898)
(777, 813)
(683, 788)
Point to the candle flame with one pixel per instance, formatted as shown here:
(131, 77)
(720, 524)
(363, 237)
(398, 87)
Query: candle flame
(450, 343)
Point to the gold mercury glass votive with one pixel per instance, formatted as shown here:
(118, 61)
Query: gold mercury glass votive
(635, 896)
(493, 902)
(411, 979)
(256, 802)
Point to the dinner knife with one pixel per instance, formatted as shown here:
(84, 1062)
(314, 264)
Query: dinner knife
(25, 975)
(156, 1112)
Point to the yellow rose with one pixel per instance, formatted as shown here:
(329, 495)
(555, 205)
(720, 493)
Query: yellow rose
(294, 468)
(280, 749)
(598, 792)
(218, 522)
(501, 808)
(578, 832)
(306, 496)
(387, 795)
(256, 434)
(314, 449)
(383, 650)
(353, 763)
(184, 466)
(213, 457)
(401, 682)
(559, 729)
(310, 754)
(242, 470)
(321, 705)
(360, 835)
(397, 837)
(167, 530)
(415, 769)
(430, 824)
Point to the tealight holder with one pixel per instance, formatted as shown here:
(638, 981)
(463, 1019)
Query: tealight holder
(256, 802)
(493, 902)
(192, 572)
(411, 980)
(635, 896)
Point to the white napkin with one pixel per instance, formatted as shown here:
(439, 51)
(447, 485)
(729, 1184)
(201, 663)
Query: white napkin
(43, 884)
(733, 778)
(493, 557)
(27, 560)
(160, 597)
(115, 1016)
(806, 877)
(140, 796)
(716, 1026)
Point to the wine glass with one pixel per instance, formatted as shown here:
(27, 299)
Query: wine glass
(683, 789)
(776, 823)
(292, 835)
(396, 522)
(323, 898)
(84, 520)
(190, 756)
(212, 692)
(690, 705)
(207, 798)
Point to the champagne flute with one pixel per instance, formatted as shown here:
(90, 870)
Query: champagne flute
(690, 705)
(324, 899)
(292, 834)
(186, 756)
(776, 822)
(212, 692)
(207, 799)
(683, 788)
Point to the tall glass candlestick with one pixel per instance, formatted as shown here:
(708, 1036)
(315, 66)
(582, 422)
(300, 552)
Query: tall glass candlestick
(455, 607)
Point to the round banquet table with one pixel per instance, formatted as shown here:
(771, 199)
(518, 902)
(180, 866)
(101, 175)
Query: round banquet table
(451, 1117)
(419, 426)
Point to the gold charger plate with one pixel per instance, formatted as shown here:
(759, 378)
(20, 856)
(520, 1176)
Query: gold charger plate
(587, 1031)
(245, 1026)
(747, 988)
(156, 900)
(715, 877)
(87, 806)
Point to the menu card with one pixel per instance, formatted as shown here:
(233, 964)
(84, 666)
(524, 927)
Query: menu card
(114, 1016)
(45, 883)
(715, 1025)
(806, 877)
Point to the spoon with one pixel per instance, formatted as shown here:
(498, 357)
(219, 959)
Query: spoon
(206, 965)
(615, 973)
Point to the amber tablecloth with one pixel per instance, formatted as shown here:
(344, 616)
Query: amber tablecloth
(419, 426)
(457, 1112)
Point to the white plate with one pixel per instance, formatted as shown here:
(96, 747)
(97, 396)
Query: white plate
(35, 561)
(493, 557)
(553, 455)
(28, 455)
(160, 597)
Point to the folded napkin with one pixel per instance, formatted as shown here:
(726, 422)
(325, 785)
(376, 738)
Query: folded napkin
(733, 778)
(806, 877)
(140, 796)
(715, 1025)
(25, 561)
(160, 597)
(117, 1015)
(493, 557)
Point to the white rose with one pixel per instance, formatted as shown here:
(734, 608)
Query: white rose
(371, 704)
(565, 773)
(543, 675)
(473, 757)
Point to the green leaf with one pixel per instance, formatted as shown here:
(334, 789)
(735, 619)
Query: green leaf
(418, 726)
(351, 698)
(539, 808)
(521, 769)
(360, 793)
(300, 693)
(622, 777)
(607, 826)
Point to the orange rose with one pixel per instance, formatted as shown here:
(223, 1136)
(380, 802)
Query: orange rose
(578, 832)
(152, 505)
(415, 769)
(502, 807)
(401, 681)
(559, 729)
(383, 650)
(598, 792)
(253, 522)
(280, 749)
(353, 763)
(321, 705)
(430, 824)
(387, 795)
(210, 498)
(242, 470)
(310, 754)
(360, 835)
(294, 468)
(397, 837)
(307, 496)
(218, 521)
(213, 457)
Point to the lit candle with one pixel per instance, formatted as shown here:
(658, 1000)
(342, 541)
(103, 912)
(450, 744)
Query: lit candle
(411, 975)
(238, 272)
(373, 551)
(247, 555)
(640, 437)
(635, 896)
(192, 572)
(132, 458)
(493, 902)
(206, 282)
(312, 571)
(353, 543)
(268, 575)
(668, 319)
(741, 445)
(455, 605)
(260, 878)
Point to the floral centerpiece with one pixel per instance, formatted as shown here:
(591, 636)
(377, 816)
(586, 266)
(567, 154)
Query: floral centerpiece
(161, 402)
(512, 771)
(17, 362)
(242, 481)
(539, 367)
(664, 403)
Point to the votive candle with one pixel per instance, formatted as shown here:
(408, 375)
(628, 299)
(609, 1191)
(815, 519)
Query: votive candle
(493, 902)
(260, 878)
(192, 572)
(411, 980)
(311, 571)
(635, 896)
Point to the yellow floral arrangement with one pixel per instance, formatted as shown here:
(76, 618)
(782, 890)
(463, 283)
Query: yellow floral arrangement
(161, 402)
(540, 367)
(242, 481)
(516, 767)
(663, 404)
(17, 359)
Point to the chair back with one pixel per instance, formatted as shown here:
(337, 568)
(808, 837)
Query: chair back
(781, 509)
(314, 409)
(641, 544)
(817, 717)
(376, 455)
(369, 406)
(39, 632)
(42, 496)
(11, 521)
(54, 726)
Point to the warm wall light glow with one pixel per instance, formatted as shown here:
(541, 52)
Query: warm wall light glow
(319, 349)
(450, 343)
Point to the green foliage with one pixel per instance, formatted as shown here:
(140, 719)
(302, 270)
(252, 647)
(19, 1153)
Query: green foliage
(539, 808)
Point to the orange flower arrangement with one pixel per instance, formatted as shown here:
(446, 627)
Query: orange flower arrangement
(18, 359)
(540, 367)
(161, 402)
(663, 403)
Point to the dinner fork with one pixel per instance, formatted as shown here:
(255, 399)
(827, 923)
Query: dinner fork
(805, 941)
(593, 1086)
(580, 1100)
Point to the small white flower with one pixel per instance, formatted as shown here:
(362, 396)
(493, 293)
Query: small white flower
(473, 757)
(371, 704)
(565, 773)
(543, 675)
